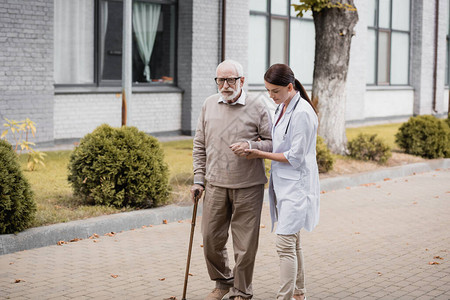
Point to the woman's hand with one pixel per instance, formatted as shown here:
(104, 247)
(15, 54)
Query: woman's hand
(253, 153)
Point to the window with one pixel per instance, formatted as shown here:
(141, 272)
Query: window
(388, 42)
(277, 35)
(88, 42)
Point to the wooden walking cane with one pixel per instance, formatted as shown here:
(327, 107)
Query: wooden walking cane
(194, 216)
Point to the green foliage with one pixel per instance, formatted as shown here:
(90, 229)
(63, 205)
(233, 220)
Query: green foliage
(18, 129)
(369, 147)
(318, 5)
(426, 136)
(324, 157)
(448, 120)
(17, 207)
(121, 167)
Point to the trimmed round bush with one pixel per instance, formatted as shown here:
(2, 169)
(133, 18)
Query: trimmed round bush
(121, 167)
(369, 147)
(425, 136)
(17, 207)
(324, 157)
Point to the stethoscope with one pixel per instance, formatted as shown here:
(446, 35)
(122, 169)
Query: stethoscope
(290, 117)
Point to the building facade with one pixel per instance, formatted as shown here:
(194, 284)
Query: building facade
(61, 65)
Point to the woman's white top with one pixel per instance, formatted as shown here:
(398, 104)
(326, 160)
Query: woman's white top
(294, 189)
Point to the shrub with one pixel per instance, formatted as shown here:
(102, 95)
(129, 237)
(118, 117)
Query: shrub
(17, 207)
(121, 167)
(426, 136)
(324, 157)
(448, 120)
(369, 147)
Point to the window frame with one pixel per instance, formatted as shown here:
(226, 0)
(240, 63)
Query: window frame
(377, 29)
(115, 86)
(269, 16)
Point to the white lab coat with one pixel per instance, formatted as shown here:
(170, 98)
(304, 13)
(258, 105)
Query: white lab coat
(294, 189)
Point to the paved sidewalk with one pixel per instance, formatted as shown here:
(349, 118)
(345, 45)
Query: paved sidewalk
(374, 241)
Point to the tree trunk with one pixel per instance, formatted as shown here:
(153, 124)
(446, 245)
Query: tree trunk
(334, 30)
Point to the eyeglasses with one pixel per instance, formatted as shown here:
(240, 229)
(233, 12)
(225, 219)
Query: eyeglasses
(221, 81)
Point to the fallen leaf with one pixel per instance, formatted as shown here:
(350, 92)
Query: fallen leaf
(143, 226)
(426, 249)
(18, 280)
(180, 221)
(323, 192)
(190, 274)
(437, 257)
(379, 274)
(378, 186)
(60, 243)
(96, 241)
(110, 233)
(386, 179)
(94, 236)
(201, 246)
(415, 202)
(357, 232)
(11, 263)
(114, 276)
(75, 240)
(164, 221)
(437, 169)
(263, 226)
(171, 298)
(358, 250)
(367, 184)
(162, 279)
(433, 263)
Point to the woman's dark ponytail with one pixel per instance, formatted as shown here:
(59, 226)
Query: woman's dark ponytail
(299, 87)
(282, 75)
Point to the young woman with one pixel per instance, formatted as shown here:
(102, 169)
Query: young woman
(294, 179)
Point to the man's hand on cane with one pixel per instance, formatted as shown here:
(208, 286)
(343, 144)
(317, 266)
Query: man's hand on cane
(199, 188)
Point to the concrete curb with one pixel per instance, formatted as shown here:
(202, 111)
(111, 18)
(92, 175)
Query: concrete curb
(52, 234)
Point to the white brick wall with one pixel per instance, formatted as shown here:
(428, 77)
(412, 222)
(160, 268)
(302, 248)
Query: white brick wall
(78, 114)
(26, 64)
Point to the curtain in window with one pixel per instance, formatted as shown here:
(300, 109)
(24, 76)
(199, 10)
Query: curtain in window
(145, 24)
(74, 41)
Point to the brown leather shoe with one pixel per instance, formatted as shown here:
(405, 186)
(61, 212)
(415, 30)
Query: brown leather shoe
(217, 294)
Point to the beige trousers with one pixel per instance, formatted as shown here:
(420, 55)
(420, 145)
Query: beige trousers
(292, 271)
(239, 209)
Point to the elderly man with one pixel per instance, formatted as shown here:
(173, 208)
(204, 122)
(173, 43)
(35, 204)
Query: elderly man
(229, 123)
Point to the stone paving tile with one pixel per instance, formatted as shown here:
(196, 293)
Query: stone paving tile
(373, 242)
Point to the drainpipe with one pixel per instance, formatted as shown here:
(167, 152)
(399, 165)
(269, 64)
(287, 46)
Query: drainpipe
(436, 36)
(224, 15)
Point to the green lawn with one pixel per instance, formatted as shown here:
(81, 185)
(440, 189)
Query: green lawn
(56, 203)
(385, 131)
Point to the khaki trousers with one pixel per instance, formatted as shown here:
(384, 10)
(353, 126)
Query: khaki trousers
(292, 270)
(239, 209)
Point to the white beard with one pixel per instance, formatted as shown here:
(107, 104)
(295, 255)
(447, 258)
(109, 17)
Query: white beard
(227, 97)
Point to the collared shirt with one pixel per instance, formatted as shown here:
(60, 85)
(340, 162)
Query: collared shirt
(240, 100)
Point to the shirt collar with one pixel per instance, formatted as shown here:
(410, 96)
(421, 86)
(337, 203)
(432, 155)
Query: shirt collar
(241, 99)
